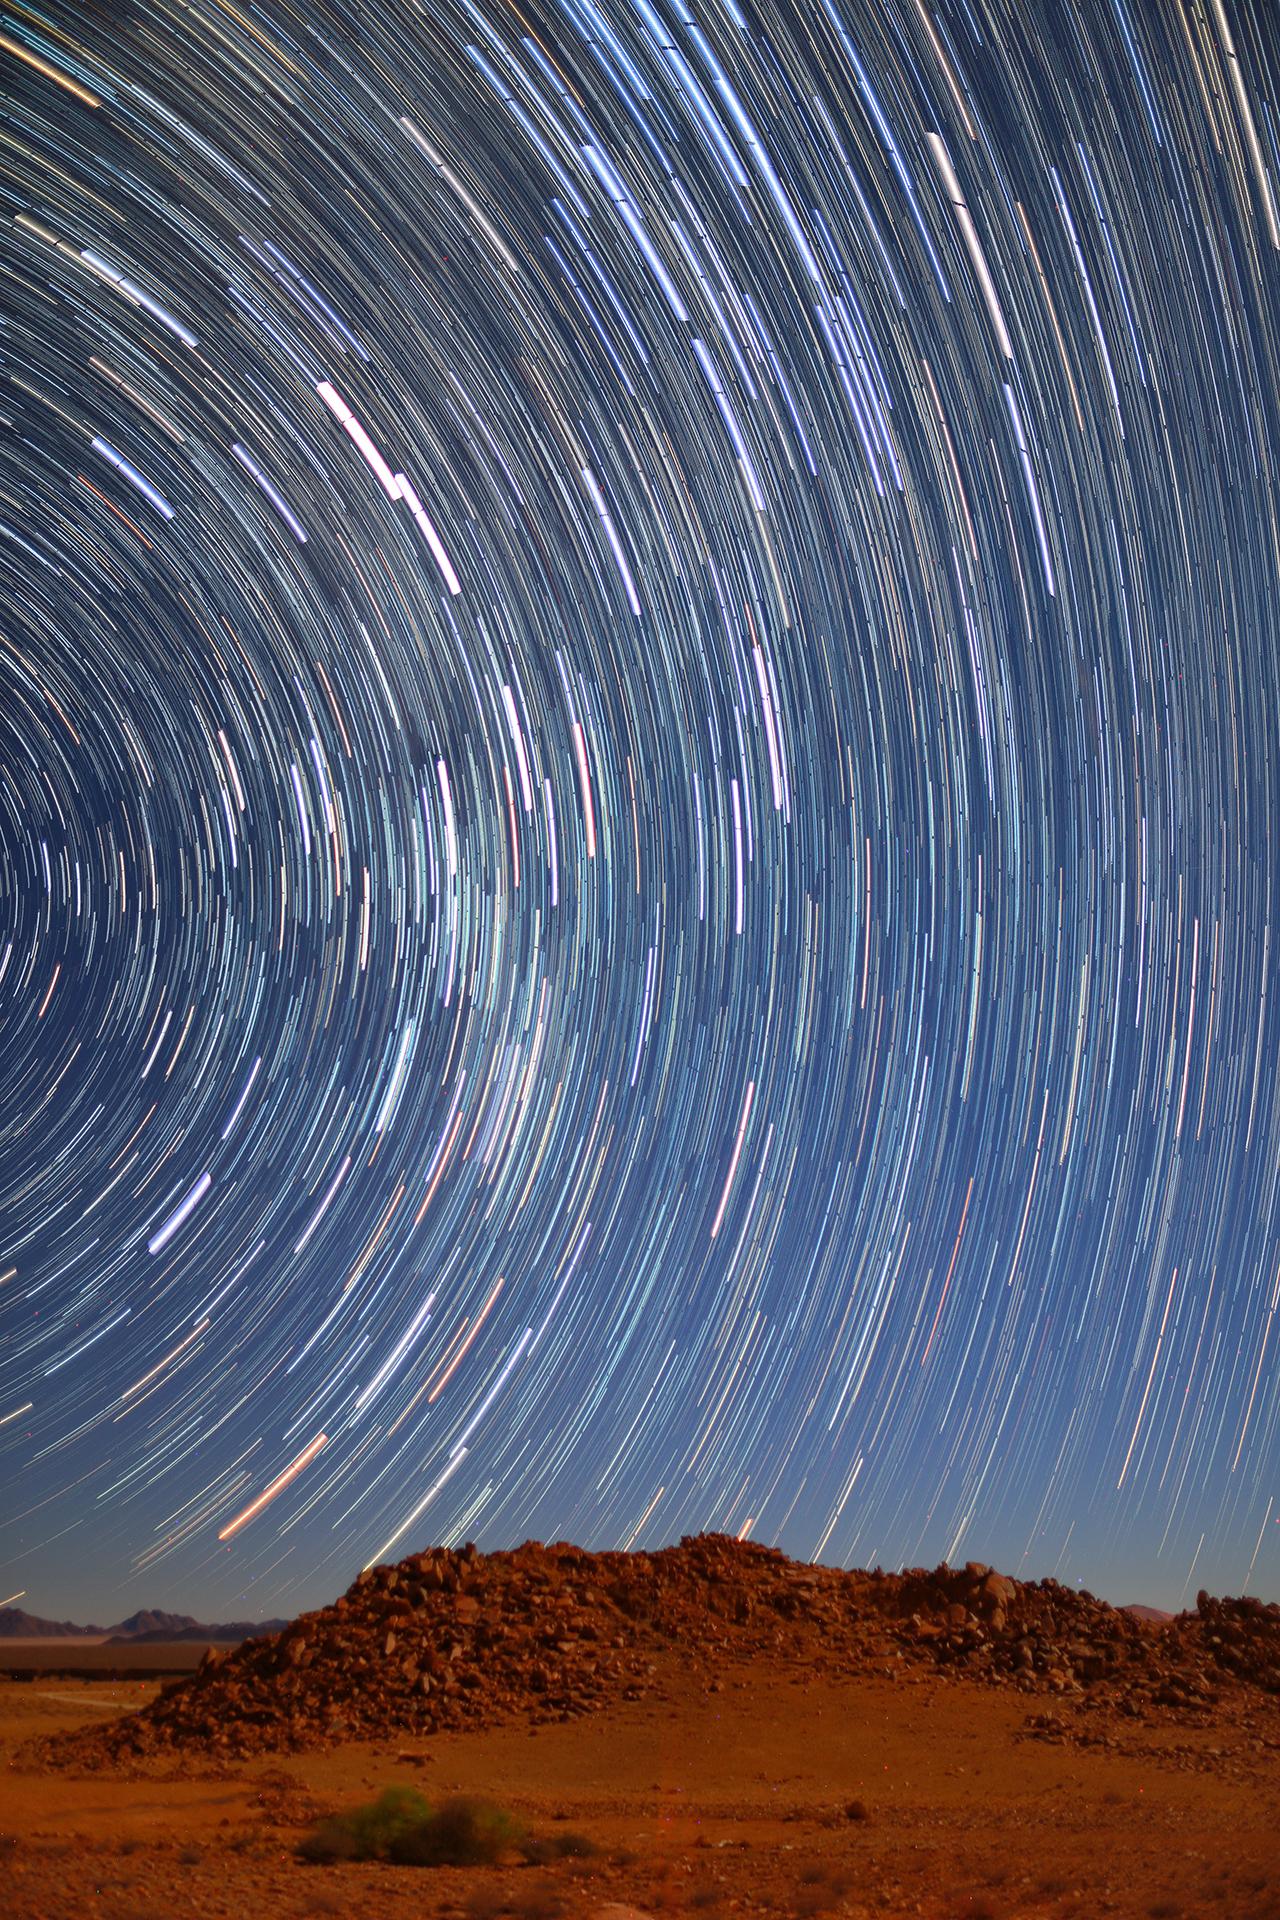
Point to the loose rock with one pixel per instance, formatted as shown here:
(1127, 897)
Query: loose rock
(447, 1640)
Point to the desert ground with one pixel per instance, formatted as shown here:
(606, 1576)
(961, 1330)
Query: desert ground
(760, 1789)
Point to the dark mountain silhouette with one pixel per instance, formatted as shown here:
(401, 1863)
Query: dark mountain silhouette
(146, 1627)
(147, 1623)
(184, 1628)
(17, 1624)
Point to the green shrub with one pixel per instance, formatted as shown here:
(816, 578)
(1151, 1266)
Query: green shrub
(367, 1833)
(540, 1849)
(463, 1832)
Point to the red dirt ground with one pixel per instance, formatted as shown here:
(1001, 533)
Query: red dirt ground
(718, 1796)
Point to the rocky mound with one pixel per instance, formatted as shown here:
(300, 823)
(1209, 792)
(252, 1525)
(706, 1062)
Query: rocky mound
(461, 1639)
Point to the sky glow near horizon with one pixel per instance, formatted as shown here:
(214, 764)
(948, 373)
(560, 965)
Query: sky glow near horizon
(639, 789)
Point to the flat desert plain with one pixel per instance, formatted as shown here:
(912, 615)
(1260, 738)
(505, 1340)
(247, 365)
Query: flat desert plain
(768, 1787)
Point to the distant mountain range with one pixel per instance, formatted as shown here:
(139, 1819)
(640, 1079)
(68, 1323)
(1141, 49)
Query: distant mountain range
(17, 1624)
(145, 1627)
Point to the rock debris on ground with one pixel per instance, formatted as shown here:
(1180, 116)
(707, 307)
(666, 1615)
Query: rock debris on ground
(460, 1639)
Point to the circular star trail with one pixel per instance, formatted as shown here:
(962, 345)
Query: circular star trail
(638, 765)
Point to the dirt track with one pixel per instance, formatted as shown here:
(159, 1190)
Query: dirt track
(724, 1800)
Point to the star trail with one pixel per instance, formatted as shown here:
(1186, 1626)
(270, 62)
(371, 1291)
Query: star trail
(638, 787)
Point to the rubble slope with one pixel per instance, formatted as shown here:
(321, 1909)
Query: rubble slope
(451, 1639)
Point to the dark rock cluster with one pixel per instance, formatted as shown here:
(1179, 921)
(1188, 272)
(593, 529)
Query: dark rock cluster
(452, 1639)
(1046, 1637)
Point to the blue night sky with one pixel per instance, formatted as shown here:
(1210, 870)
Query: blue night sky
(639, 794)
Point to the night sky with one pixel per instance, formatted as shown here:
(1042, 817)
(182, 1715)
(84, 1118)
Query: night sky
(639, 788)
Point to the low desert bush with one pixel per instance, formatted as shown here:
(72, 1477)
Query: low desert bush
(367, 1833)
(540, 1849)
(463, 1831)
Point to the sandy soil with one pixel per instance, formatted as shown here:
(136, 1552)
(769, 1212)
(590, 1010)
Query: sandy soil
(734, 1798)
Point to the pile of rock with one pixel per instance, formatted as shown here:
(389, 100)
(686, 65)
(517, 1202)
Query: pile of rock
(1037, 1635)
(1239, 1638)
(462, 1639)
(1048, 1637)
